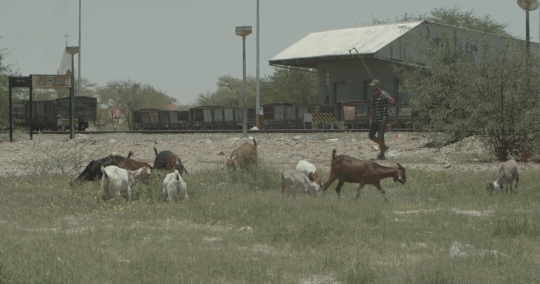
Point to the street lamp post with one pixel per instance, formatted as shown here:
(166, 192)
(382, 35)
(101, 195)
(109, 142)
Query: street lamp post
(72, 50)
(244, 31)
(258, 102)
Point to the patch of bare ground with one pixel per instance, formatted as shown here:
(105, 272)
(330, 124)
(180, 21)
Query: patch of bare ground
(203, 151)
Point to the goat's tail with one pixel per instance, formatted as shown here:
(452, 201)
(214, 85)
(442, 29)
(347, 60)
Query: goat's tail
(155, 151)
(334, 154)
(104, 172)
(254, 143)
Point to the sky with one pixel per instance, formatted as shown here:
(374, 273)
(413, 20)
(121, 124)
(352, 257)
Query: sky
(182, 47)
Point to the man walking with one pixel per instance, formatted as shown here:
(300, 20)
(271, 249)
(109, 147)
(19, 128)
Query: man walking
(378, 116)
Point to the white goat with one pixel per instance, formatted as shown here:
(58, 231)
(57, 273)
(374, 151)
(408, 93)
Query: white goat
(116, 181)
(309, 170)
(508, 172)
(293, 182)
(174, 187)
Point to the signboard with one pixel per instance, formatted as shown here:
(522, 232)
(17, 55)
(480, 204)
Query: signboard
(51, 81)
(20, 82)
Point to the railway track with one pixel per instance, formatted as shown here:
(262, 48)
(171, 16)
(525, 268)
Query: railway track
(227, 131)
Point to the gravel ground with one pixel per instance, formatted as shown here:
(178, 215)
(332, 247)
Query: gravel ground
(200, 151)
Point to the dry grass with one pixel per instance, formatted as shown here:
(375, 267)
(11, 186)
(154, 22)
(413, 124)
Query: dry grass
(238, 229)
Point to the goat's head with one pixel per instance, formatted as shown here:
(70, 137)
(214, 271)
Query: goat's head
(143, 175)
(180, 168)
(232, 164)
(400, 177)
(492, 185)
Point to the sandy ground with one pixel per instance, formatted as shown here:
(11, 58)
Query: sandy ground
(200, 151)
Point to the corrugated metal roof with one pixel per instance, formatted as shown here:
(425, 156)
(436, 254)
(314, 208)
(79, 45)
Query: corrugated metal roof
(366, 39)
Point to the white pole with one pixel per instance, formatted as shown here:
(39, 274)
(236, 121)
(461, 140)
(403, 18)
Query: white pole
(79, 64)
(258, 103)
(244, 126)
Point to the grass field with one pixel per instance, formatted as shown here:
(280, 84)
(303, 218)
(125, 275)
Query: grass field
(238, 229)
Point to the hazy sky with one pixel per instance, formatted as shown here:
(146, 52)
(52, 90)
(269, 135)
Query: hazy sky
(182, 47)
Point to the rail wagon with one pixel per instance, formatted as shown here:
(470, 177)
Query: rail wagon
(85, 110)
(146, 119)
(44, 112)
(281, 116)
(202, 117)
(354, 113)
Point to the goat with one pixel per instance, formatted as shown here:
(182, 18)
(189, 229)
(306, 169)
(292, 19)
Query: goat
(116, 180)
(508, 172)
(243, 157)
(169, 161)
(349, 169)
(174, 187)
(293, 182)
(130, 164)
(309, 170)
(93, 169)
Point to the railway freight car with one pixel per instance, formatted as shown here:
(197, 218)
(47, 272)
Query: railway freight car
(285, 115)
(155, 119)
(354, 114)
(44, 113)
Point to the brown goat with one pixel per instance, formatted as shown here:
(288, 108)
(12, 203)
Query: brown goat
(243, 156)
(132, 165)
(169, 161)
(349, 169)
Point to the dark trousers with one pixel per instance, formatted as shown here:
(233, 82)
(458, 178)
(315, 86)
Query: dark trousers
(374, 128)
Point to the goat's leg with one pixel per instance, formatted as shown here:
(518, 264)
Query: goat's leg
(129, 193)
(359, 188)
(378, 186)
(338, 187)
(331, 179)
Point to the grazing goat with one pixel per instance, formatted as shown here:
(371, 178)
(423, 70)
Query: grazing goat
(116, 181)
(174, 188)
(93, 169)
(309, 170)
(508, 172)
(243, 156)
(293, 182)
(169, 161)
(349, 169)
(130, 164)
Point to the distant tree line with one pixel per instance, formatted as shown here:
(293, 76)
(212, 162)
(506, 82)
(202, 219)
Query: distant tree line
(296, 86)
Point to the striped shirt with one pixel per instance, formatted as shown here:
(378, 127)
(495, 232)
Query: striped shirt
(380, 106)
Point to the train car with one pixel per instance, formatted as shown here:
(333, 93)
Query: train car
(203, 117)
(353, 113)
(289, 116)
(146, 119)
(44, 112)
(239, 117)
(183, 119)
(282, 116)
(85, 110)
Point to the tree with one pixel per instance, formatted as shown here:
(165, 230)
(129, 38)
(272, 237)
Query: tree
(229, 93)
(88, 89)
(297, 86)
(457, 18)
(283, 86)
(127, 96)
(5, 72)
(492, 92)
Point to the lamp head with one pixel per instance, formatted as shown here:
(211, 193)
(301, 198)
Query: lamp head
(73, 49)
(243, 30)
